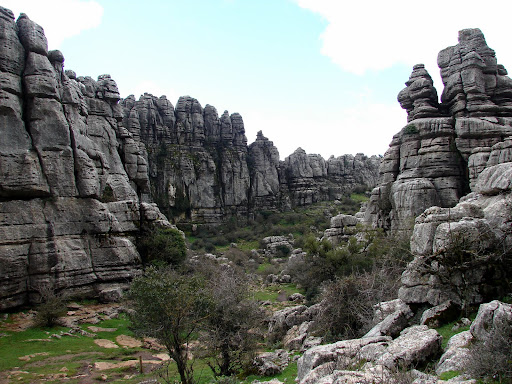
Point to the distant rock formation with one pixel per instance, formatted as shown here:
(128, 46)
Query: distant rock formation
(73, 181)
(201, 169)
(437, 157)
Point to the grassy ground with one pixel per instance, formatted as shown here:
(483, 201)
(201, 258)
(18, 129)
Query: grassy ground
(37, 355)
(272, 292)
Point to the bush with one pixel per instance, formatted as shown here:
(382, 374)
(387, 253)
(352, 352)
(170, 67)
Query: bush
(491, 359)
(347, 303)
(163, 246)
(283, 251)
(410, 129)
(51, 308)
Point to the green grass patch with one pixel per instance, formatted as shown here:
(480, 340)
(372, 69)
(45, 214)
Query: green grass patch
(447, 332)
(449, 375)
(359, 197)
(271, 292)
(246, 245)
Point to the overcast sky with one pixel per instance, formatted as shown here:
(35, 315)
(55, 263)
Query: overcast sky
(318, 74)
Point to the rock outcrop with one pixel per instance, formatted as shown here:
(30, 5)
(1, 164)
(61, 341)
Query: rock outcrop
(73, 181)
(463, 253)
(309, 178)
(446, 178)
(437, 157)
(201, 169)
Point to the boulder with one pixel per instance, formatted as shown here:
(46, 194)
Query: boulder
(415, 345)
(345, 353)
(393, 323)
(456, 355)
(441, 314)
(271, 363)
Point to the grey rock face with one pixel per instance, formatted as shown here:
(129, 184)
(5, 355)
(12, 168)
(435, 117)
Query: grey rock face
(265, 183)
(71, 176)
(197, 161)
(202, 170)
(436, 159)
(310, 178)
(461, 252)
(342, 227)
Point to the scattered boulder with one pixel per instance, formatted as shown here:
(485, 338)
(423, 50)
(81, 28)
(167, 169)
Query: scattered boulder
(394, 322)
(491, 316)
(344, 353)
(271, 363)
(415, 345)
(457, 354)
(111, 295)
(296, 335)
(441, 314)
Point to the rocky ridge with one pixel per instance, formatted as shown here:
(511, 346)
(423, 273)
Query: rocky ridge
(201, 169)
(437, 157)
(74, 189)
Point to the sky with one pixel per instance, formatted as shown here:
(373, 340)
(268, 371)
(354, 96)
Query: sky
(322, 75)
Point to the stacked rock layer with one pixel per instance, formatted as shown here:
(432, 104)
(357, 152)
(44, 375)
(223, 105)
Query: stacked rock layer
(201, 169)
(72, 179)
(437, 157)
(447, 179)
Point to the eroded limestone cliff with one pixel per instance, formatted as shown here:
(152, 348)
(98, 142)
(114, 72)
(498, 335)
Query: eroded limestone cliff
(202, 170)
(73, 180)
(437, 157)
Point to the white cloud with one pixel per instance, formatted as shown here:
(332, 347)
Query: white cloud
(376, 34)
(61, 19)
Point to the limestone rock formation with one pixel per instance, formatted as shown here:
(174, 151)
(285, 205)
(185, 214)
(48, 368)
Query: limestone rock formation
(309, 178)
(73, 181)
(265, 191)
(436, 159)
(462, 253)
(201, 169)
(198, 161)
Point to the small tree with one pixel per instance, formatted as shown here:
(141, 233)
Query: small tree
(169, 307)
(229, 338)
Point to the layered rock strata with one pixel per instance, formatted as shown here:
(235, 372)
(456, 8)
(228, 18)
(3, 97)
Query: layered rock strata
(463, 253)
(437, 157)
(202, 170)
(73, 180)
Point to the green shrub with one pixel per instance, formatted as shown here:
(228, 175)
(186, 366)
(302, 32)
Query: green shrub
(163, 246)
(51, 308)
(171, 308)
(410, 129)
(283, 251)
